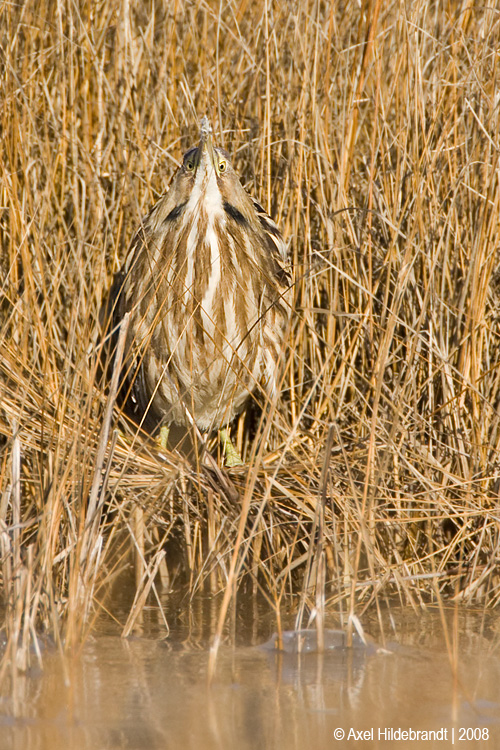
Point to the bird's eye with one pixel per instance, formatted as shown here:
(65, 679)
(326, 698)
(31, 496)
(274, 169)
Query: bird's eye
(222, 166)
(190, 165)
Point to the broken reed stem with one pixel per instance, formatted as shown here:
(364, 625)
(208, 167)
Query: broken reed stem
(16, 513)
(108, 414)
(90, 543)
(143, 587)
(315, 555)
(238, 556)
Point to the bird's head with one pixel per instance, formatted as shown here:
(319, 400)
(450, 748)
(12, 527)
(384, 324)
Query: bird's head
(205, 158)
(206, 185)
(207, 164)
(207, 176)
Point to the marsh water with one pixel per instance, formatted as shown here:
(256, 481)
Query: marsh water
(436, 674)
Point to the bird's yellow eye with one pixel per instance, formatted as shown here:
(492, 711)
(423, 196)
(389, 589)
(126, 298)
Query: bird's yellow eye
(190, 165)
(222, 166)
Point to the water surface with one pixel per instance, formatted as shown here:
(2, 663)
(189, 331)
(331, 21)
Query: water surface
(148, 692)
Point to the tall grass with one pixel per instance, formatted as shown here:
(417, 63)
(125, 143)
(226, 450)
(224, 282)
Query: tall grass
(372, 136)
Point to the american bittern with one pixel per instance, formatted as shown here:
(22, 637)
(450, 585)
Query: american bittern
(207, 286)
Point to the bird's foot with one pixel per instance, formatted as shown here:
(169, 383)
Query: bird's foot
(163, 437)
(231, 455)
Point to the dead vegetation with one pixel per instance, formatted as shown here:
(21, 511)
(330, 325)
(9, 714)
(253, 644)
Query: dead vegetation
(371, 135)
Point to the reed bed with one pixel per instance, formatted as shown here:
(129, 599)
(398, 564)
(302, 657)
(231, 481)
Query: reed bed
(371, 133)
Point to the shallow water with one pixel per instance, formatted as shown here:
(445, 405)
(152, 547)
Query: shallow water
(148, 693)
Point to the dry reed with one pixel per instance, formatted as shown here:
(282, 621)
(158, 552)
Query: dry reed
(371, 134)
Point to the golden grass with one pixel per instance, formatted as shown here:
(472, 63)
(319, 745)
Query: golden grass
(372, 136)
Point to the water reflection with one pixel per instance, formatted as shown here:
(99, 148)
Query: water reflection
(148, 693)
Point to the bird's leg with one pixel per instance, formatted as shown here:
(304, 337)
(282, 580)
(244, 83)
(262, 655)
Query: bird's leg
(163, 437)
(231, 455)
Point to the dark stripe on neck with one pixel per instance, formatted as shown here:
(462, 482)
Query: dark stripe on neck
(175, 212)
(235, 214)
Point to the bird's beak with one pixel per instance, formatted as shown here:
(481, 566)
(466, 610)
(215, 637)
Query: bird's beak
(206, 147)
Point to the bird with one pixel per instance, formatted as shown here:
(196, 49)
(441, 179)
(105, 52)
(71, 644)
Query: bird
(207, 288)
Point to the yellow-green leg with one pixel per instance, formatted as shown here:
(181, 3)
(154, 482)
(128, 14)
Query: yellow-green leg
(231, 455)
(163, 437)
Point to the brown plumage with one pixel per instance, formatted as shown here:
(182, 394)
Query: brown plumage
(207, 285)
